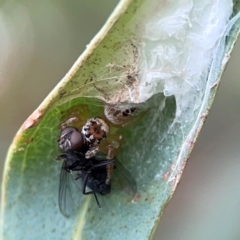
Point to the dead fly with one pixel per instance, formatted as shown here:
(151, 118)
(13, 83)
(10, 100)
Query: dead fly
(85, 170)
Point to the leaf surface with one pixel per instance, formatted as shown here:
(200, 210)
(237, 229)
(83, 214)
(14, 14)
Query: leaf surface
(154, 149)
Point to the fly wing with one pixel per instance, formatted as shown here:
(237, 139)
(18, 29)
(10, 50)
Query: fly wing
(122, 181)
(69, 195)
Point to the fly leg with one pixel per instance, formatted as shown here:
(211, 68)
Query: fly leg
(60, 157)
(84, 190)
(85, 182)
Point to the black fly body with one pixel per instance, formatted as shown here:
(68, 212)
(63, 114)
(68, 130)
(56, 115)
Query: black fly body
(81, 163)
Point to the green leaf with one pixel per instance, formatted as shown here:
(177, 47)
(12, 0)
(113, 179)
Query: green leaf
(117, 68)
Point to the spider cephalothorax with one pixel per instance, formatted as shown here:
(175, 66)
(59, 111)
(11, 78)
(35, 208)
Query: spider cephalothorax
(95, 130)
